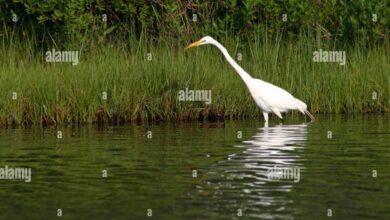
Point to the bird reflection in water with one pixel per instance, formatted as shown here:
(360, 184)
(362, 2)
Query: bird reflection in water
(259, 179)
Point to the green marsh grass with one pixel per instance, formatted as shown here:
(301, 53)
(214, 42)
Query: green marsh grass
(142, 90)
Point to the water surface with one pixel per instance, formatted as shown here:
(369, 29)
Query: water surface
(200, 170)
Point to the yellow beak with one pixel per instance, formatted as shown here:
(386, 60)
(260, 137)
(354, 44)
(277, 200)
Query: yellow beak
(194, 44)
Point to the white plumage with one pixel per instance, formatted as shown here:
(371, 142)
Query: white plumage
(270, 98)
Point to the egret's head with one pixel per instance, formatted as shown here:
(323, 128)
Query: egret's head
(203, 41)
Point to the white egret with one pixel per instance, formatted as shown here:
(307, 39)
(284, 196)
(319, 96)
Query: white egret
(270, 98)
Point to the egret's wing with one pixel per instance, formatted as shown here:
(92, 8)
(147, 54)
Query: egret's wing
(276, 97)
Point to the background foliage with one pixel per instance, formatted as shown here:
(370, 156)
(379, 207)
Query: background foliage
(80, 22)
(113, 57)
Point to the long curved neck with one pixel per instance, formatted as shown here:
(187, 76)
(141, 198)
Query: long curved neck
(244, 75)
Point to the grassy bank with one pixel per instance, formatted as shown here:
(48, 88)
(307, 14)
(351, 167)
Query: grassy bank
(139, 90)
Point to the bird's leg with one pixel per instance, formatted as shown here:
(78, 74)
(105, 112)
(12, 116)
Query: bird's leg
(277, 113)
(265, 114)
(283, 115)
